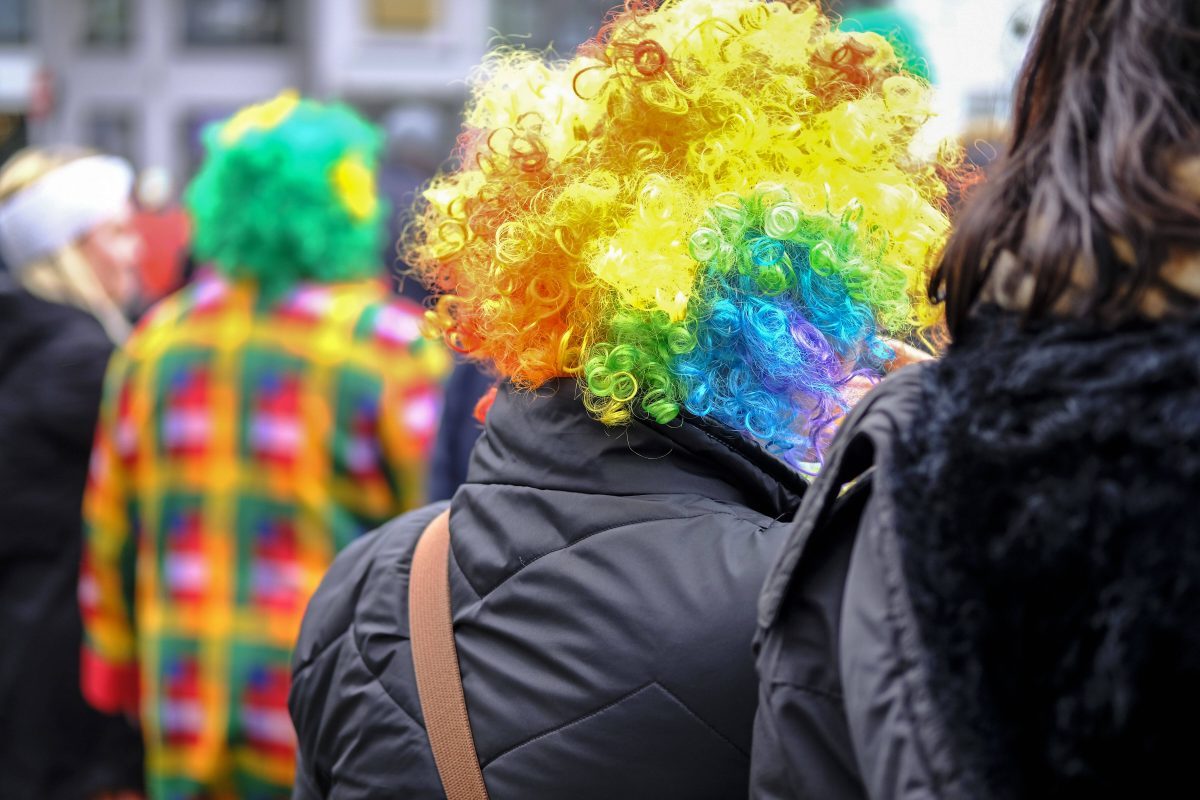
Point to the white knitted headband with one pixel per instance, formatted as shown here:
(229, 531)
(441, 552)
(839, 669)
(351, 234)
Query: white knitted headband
(62, 205)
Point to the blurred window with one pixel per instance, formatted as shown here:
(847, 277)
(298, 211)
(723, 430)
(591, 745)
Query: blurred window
(192, 126)
(987, 104)
(15, 21)
(234, 22)
(109, 23)
(538, 24)
(402, 15)
(847, 7)
(111, 130)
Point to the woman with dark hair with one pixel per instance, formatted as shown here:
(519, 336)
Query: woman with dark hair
(1008, 599)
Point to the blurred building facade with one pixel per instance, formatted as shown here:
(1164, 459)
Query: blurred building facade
(141, 78)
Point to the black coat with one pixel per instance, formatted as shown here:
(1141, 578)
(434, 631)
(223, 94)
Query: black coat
(603, 584)
(1003, 604)
(52, 745)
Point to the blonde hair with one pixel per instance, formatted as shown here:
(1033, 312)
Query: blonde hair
(65, 276)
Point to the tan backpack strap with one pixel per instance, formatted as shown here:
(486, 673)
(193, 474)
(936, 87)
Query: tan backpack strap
(435, 659)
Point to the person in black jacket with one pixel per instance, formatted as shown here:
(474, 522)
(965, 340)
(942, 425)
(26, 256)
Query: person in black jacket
(458, 430)
(678, 299)
(1002, 556)
(65, 236)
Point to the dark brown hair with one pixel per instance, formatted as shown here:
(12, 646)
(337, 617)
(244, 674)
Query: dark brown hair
(1105, 117)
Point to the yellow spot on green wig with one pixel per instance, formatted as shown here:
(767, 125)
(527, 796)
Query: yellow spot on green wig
(262, 116)
(354, 183)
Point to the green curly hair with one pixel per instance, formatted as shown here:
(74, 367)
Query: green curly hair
(287, 192)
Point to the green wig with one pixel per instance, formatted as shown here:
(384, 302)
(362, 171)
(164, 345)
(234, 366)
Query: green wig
(287, 193)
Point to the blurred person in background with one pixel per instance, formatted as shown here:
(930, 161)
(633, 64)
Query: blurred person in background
(459, 429)
(415, 146)
(415, 138)
(72, 256)
(255, 424)
(1011, 594)
(678, 248)
(163, 226)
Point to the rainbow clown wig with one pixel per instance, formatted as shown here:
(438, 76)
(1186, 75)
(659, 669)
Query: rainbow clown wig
(712, 209)
(287, 192)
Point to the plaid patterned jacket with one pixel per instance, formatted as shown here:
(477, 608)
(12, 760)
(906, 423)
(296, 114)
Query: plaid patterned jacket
(239, 449)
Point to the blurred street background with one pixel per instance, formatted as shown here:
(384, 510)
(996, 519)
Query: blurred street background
(141, 78)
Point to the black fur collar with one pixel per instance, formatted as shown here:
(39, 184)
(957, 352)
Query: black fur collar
(1049, 508)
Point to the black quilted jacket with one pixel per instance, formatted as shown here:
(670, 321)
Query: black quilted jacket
(52, 745)
(603, 584)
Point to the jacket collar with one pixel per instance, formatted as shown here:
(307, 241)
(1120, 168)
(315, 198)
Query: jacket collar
(545, 439)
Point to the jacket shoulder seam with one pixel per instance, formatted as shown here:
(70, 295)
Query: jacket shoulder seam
(527, 562)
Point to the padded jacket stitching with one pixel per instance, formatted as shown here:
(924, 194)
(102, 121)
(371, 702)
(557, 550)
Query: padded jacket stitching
(526, 562)
(613, 704)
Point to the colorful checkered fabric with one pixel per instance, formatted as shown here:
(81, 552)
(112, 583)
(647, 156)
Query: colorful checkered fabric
(239, 449)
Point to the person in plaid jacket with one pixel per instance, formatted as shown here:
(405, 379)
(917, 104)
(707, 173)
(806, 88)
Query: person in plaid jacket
(255, 423)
